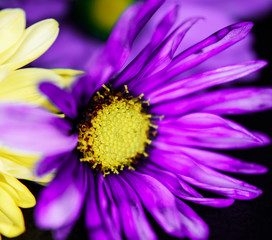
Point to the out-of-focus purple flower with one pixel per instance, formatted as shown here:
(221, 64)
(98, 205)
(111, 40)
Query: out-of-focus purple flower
(143, 118)
(74, 49)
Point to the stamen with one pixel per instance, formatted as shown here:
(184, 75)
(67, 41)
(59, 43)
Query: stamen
(114, 131)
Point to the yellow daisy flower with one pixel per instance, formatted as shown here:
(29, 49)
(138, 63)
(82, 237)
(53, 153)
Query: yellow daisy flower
(18, 47)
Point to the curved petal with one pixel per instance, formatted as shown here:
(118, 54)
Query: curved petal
(223, 101)
(16, 164)
(207, 130)
(61, 202)
(120, 41)
(133, 219)
(181, 189)
(215, 160)
(183, 87)
(62, 99)
(102, 217)
(33, 129)
(11, 217)
(239, 101)
(35, 41)
(195, 227)
(135, 66)
(49, 163)
(202, 176)
(12, 26)
(163, 55)
(83, 89)
(19, 192)
(199, 53)
(157, 199)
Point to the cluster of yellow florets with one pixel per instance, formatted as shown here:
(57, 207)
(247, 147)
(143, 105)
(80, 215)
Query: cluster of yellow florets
(114, 133)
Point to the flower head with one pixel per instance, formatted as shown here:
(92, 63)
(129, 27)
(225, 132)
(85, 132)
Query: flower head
(139, 136)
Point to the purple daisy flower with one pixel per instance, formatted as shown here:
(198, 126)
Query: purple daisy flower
(137, 138)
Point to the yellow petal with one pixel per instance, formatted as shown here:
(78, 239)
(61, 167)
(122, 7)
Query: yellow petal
(35, 41)
(21, 165)
(12, 26)
(22, 85)
(14, 169)
(11, 217)
(17, 165)
(18, 191)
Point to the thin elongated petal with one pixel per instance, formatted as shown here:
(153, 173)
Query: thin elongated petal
(200, 52)
(93, 219)
(157, 199)
(102, 219)
(181, 189)
(60, 203)
(60, 98)
(137, 63)
(133, 218)
(204, 80)
(83, 89)
(163, 55)
(34, 130)
(208, 130)
(239, 101)
(225, 101)
(120, 41)
(204, 177)
(49, 163)
(214, 160)
(35, 41)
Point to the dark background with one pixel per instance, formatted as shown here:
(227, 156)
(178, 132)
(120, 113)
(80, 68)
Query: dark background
(244, 219)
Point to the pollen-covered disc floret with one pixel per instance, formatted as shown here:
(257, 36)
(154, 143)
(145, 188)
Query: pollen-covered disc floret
(113, 131)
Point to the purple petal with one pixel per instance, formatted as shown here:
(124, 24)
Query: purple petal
(135, 66)
(180, 88)
(215, 160)
(240, 101)
(207, 130)
(163, 55)
(83, 89)
(157, 199)
(49, 163)
(60, 203)
(194, 226)
(120, 41)
(181, 189)
(134, 221)
(100, 222)
(200, 52)
(203, 177)
(225, 101)
(33, 129)
(63, 100)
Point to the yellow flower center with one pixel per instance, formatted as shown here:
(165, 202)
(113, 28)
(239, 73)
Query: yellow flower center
(114, 131)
